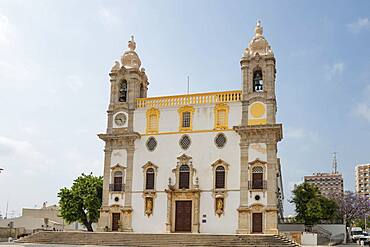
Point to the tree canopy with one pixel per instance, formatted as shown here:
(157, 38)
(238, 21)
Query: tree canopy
(311, 206)
(82, 201)
(352, 207)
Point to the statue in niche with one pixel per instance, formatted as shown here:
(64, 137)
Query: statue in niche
(219, 206)
(148, 206)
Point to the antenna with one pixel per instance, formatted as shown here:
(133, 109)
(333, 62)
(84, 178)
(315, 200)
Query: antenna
(188, 86)
(335, 163)
(6, 212)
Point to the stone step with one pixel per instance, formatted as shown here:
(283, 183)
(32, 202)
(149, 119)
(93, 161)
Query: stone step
(156, 240)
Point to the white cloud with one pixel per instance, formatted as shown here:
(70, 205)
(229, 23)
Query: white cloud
(363, 110)
(107, 17)
(22, 152)
(301, 133)
(6, 31)
(14, 71)
(360, 24)
(334, 70)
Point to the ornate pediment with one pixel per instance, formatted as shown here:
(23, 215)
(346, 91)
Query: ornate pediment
(257, 162)
(118, 166)
(220, 162)
(149, 164)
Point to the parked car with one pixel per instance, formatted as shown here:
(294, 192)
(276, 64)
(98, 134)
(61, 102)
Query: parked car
(356, 233)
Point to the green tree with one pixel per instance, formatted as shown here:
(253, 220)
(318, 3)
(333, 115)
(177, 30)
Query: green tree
(82, 201)
(311, 206)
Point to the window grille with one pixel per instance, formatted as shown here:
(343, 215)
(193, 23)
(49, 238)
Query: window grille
(220, 140)
(221, 117)
(153, 122)
(186, 119)
(184, 177)
(151, 144)
(185, 142)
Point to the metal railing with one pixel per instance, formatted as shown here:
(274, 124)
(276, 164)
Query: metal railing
(257, 184)
(116, 187)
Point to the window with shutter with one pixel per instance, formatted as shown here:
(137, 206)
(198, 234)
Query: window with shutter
(184, 177)
(220, 177)
(149, 179)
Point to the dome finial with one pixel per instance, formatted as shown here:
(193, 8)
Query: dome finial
(132, 43)
(259, 28)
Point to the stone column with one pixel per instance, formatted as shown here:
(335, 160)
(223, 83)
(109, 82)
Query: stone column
(244, 172)
(129, 174)
(243, 219)
(127, 215)
(106, 181)
(271, 207)
(104, 211)
(169, 212)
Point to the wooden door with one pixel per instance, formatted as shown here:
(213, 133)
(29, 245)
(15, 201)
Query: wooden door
(117, 184)
(115, 221)
(257, 223)
(183, 216)
(257, 181)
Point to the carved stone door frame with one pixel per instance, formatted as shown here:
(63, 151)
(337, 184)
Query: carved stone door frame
(180, 195)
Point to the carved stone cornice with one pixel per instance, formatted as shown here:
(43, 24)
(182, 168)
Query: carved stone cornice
(269, 133)
(120, 140)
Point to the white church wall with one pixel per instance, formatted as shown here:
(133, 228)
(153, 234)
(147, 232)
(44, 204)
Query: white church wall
(119, 156)
(203, 118)
(252, 198)
(155, 223)
(112, 196)
(226, 223)
(257, 151)
(203, 152)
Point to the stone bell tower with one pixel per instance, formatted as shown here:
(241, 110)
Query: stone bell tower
(128, 82)
(259, 135)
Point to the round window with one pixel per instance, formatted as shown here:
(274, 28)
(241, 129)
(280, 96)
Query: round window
(151, 143)
(257, 197)
(116, 199)
(185, 142)
(220, 140)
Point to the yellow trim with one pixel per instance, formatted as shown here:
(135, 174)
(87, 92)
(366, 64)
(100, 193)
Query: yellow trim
(257, 109)
(221, 107)
(190, 99)
(257, 121)
(188, 132)
(181, 110)
(156, 113)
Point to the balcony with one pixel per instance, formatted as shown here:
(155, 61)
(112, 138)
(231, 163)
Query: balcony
(189, 99)
(257, 185)
(116, 187)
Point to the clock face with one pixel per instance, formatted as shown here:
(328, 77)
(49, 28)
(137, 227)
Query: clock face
(120, 119)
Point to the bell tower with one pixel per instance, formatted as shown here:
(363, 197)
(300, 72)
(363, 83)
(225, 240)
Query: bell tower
(260, 197)
(128, 82)
(258, 74)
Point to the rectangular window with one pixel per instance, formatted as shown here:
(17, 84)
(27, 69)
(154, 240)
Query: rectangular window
(149, 181)
(221, 117)
(186, 119)
(153, 122)
(220, 180)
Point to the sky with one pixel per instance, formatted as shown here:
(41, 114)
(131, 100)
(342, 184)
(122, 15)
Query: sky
(55, 57)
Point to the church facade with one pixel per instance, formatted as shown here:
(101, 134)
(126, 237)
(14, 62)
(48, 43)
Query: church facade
(199, 163)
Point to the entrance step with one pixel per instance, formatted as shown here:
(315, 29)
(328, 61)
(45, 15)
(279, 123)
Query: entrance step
(156, 240)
